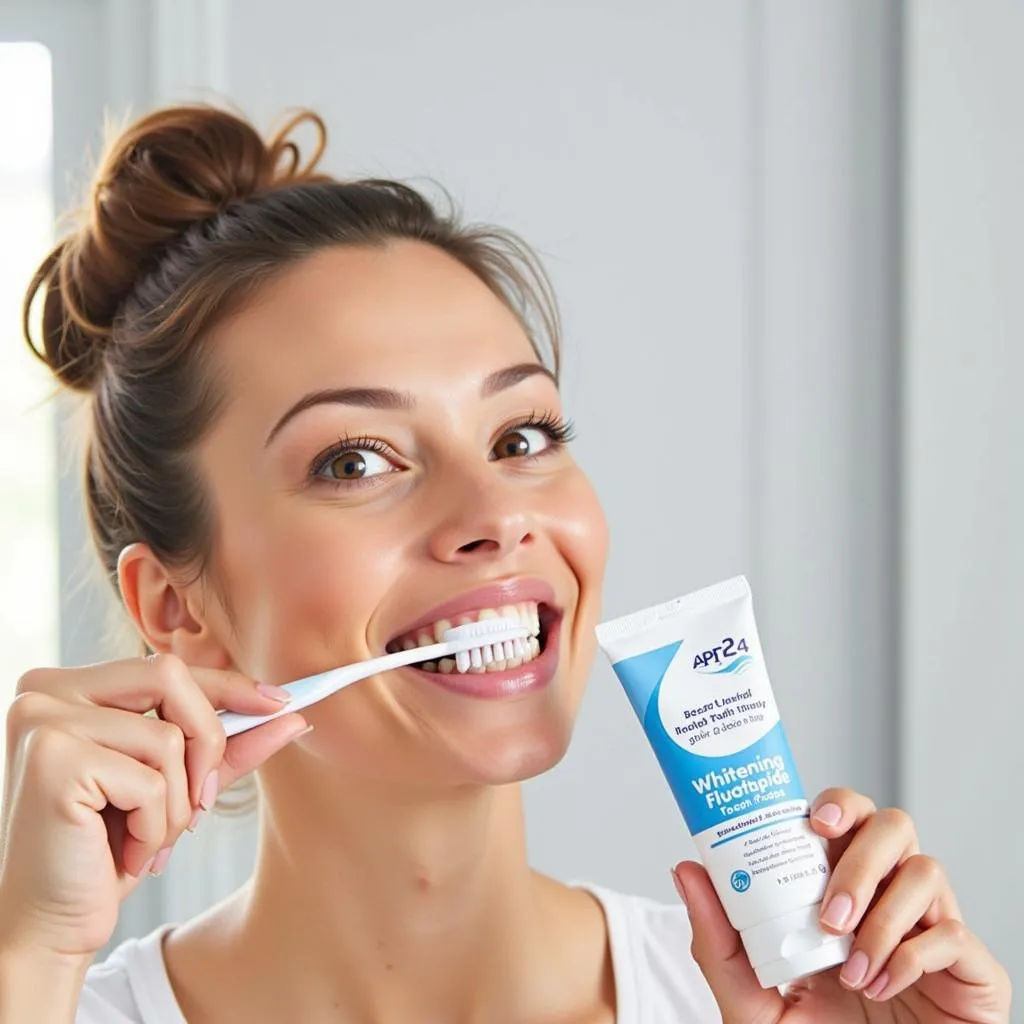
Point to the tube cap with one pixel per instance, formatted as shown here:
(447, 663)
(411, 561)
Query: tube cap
(792, 946)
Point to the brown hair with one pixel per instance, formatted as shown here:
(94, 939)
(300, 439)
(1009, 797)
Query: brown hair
(189, 213)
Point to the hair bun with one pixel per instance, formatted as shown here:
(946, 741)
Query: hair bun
(164, 173)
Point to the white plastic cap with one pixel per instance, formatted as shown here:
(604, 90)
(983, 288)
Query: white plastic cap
(792, 946)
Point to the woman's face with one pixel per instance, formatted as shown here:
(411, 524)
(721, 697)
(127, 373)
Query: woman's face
(389, 464)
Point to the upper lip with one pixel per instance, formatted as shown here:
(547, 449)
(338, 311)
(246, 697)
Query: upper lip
(494, 595)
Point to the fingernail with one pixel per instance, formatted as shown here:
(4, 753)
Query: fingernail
(191, 826)
(837, 910)
(145, 867)
(875, 989)
(855, 969)
(829, 814)
(679, 888)
(160, 861)
(208, 796)
(278, 693)
(299, 735)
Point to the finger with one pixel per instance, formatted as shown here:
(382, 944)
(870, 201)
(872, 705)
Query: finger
(919, 883)
(881, 843)
(719, 952)
(247, 751)
(950, 946)
(158, 744)
(180, 695)
(75, 774)
(128, 684)
(836, 814)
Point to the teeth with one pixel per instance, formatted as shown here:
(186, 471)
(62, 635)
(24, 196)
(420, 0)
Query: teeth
(486, 658)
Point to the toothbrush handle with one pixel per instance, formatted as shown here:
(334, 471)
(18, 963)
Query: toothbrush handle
(314, 688)
(234, 722)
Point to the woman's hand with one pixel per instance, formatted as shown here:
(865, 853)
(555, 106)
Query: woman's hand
(97, 792)
(913, 959)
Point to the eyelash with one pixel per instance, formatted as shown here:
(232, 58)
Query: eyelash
(560, 432)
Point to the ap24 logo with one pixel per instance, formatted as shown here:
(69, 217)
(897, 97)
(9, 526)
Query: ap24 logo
(726, 658)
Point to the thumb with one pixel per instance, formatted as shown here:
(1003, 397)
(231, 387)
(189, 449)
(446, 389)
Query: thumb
(245, 752)
(720, 955)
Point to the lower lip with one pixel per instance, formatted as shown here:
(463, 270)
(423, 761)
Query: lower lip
(514, 682)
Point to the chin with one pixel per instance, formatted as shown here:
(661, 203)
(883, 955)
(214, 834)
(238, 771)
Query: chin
(514, 755)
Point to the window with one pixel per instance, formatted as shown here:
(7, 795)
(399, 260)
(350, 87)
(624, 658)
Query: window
(28, 462)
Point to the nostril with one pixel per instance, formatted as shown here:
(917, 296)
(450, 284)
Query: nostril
(473, 545)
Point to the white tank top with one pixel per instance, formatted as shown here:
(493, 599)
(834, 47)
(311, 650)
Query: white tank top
(656, 979)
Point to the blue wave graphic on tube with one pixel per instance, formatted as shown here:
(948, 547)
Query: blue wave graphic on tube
(733, 668)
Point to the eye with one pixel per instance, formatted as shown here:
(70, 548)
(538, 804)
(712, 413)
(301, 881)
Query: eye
(354, 464)
(521, 442)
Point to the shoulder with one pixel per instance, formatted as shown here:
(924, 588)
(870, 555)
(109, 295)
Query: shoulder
(656, 978)
(130, 986)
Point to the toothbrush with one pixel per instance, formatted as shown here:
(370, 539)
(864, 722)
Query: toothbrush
(474, 644)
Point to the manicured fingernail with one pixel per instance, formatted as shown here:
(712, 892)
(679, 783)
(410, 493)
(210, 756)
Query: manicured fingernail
(855, 969)
(208, 796)
(837, 910)
(829, 814)
(278, 693)
(877, 987)
(160, 861)
(679, 888)
(304, 732)
(191, 826)
(145, 867)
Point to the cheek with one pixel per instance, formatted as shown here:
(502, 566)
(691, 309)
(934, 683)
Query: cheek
(303, 592)
(580, 530)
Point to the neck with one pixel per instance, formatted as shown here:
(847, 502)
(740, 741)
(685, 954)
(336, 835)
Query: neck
(424, 905)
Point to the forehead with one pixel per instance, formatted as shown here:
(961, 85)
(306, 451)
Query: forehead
(394, 315)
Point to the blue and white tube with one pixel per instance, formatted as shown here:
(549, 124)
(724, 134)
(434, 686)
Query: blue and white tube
(695, 674)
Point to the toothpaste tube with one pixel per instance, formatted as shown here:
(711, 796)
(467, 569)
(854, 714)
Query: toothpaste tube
(695, 674)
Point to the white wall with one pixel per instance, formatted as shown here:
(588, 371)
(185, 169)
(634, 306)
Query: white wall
(717, 192)
(962, 754)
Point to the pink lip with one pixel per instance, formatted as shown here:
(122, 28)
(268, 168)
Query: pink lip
(509, 591)
(514, 682)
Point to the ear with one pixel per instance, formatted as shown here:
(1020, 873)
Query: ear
(168, 616)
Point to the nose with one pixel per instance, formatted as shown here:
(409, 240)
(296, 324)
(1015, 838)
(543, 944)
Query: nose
(485, 519)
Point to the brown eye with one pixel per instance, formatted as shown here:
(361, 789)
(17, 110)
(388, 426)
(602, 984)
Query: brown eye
(348, 466)
(524, 441)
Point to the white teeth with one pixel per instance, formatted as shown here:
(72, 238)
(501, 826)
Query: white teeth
(440, 628)
(534, 645)
(424, 639)
(408, 644)
(487, 613)
(509, 611)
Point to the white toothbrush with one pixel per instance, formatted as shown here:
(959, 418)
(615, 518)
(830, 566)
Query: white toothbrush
(475, 644)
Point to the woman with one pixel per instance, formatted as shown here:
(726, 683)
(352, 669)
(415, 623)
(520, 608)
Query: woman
(325, 423)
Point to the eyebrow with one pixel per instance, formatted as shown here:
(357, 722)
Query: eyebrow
(388, 398)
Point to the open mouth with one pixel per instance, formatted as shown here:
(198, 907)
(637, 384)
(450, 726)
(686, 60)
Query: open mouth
(535, 616)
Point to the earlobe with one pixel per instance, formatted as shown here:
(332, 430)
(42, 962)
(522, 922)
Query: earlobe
(161, 610)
